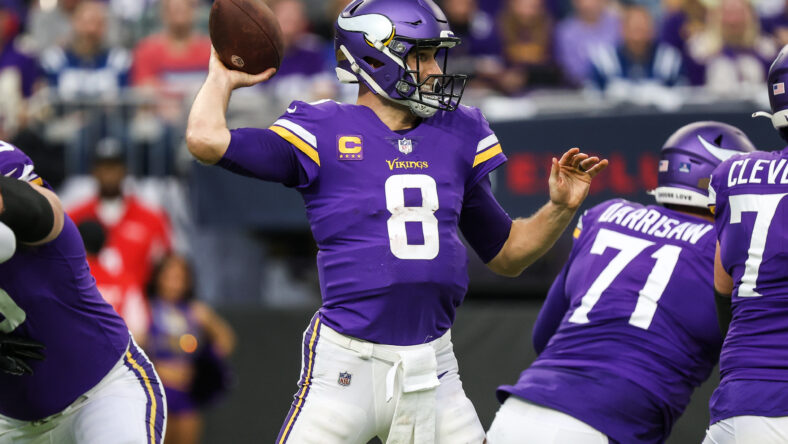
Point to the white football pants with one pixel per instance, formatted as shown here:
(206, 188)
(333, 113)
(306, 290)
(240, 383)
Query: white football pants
(352, 390)
(522, 422)
(126, 407)
(748, 429)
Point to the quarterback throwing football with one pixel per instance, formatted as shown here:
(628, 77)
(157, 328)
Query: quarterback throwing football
(386, 183)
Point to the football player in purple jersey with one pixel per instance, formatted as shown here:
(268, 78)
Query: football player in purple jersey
(387, 182)
(91, 384)
(628, 329)
(748, 197)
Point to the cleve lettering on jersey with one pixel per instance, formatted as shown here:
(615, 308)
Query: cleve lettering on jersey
(749, 195)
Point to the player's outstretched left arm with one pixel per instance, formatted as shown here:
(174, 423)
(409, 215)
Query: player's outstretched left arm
(33, 213)
(529, 239)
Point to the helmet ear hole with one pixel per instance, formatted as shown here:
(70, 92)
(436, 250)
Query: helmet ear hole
(373, 62)
(718, 140)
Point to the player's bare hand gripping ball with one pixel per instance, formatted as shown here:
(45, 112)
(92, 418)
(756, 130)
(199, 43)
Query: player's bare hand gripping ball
(570, 177)
(233, 78)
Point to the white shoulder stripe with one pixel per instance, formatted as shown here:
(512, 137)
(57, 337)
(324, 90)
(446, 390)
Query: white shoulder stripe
(299, 131)
(486, 143)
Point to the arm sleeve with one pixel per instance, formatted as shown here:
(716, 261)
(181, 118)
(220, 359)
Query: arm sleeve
(557, 302)
(724, 311)
(483, 222)
(263, 154)
(552, 312)
(25, 211)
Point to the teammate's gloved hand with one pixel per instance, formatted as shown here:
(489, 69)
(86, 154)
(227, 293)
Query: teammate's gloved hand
(15, 352)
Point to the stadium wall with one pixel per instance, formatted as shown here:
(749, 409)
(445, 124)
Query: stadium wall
(492, 344)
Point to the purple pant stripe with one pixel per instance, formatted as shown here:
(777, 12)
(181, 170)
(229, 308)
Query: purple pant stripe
(155, 386)
(310, 345)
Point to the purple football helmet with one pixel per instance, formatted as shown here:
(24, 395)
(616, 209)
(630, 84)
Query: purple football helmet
(690, 155)
(14, 163)
(777, 81)
(373, 40)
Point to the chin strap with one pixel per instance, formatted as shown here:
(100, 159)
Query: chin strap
(779, 119)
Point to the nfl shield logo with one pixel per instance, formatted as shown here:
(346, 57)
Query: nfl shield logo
(684, 167)
(344, 379)
(405, 146)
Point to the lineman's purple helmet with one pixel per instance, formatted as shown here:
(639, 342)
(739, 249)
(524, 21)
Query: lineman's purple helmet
(373, 39)
(14, 163)
(777, 82)
(690, 155)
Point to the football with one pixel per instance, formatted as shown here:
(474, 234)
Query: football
(246, 35)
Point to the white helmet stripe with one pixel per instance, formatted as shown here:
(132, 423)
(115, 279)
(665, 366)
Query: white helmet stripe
(357, 69)
(720, 153)
(376, 27)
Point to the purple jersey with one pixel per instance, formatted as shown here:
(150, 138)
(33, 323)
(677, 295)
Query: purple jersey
(384, 208)
(748, 194)
(48, 295)
(636, 328)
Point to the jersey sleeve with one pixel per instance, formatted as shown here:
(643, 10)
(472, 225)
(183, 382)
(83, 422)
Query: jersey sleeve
(301, 125)
(717, 203)
(552, 312)
(488, 155)
(263, 154)
(483, 222)
(557, 302)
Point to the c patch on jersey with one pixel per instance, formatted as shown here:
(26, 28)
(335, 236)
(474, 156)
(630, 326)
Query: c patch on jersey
(350, 147)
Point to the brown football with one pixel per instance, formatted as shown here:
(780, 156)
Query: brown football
(246, 34)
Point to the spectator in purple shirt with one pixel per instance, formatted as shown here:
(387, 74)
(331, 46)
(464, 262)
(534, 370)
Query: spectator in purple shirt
(479, 54)
(777, 26)
(592, 23)
(304, 70)
(527, 31)
(18, 73)
(734, 52)
(680, 24)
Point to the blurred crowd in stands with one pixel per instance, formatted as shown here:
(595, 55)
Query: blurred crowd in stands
(97, 93)
(73, 72)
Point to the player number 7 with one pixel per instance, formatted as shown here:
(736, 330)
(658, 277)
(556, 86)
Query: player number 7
(764, 205)
(629, 247)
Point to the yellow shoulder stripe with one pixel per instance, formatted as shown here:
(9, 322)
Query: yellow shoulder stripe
(713, 209)
(577, 232)
(297, 142)
(484, 156)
